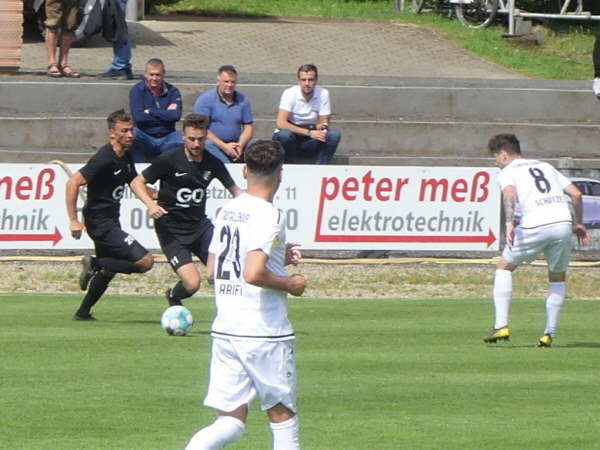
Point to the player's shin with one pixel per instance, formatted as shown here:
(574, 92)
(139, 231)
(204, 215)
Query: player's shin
(554, 303)
(502, 296)
(223, 431)
(286, 435)
(97, 287)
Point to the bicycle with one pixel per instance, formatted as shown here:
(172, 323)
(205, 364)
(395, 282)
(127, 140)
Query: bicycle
(471, 13)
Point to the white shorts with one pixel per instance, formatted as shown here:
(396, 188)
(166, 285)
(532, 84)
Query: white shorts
(553, 240)
(241, 369)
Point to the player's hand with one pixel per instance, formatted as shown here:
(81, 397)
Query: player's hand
(296, 284)
(233, 150)
(510, 234)
(292, 254)
(156, 211)
(583, 238)
(318, 135)
(76, 228)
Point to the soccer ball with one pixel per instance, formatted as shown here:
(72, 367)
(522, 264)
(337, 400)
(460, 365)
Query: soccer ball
(177, 320)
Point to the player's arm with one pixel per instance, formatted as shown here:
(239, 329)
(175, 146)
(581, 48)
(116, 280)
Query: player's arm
(73, 185)
(256, 273)
(139, 188)
(246, 135)
(509, 202)
(210, 268)
(578, 227)
(283, 123)
(234, 190)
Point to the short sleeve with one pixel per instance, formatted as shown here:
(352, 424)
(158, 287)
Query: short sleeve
(506, 179)
(324, 104)
(94, 166)
(202, 105)
(155, 171)
(247, 113)
(287, 100)
(266, 235)
(564, 181)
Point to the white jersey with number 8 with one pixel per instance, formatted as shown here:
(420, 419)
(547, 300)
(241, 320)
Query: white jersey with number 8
(540, 196)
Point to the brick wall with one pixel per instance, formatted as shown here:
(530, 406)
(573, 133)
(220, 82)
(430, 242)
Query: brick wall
(11, 32)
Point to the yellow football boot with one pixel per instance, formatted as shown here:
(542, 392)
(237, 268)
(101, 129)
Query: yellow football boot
(497, 334)
(545, 341)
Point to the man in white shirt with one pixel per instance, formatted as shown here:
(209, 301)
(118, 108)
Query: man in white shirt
(538, 219)
(302, 120)
(252, 352)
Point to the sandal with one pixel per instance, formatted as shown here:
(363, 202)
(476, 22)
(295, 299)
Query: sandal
(54, 71)
(70, 73)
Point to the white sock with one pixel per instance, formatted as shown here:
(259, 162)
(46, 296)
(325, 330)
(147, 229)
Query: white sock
(554, 304)
(225, 430)
(286, 435)
(502, 296)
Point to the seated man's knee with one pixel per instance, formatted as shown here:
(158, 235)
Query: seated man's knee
(284, 136)
(334, 137)
(146, 263)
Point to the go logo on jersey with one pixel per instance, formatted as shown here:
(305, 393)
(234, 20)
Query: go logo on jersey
(117, 193)
(187, 195)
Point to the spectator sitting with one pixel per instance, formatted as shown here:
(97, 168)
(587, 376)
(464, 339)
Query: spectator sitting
(155, 107)
(230, 114)
(302, 118)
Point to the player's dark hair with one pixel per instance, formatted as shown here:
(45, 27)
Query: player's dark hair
(307, 68)
(227, 68)
(264, 157)
(507, 142)
(155, 62)
(118, 116)
(198, 121)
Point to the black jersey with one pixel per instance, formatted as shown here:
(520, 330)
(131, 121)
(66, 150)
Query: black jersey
(183, 185)
(107, 174)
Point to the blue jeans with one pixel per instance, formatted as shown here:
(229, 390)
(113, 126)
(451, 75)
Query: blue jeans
(296, 145)
(121, 50)
(146, 147)
(214, 150)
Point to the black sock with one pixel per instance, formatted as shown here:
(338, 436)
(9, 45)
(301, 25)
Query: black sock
(117, 265)
(178, 293)
(97, 287)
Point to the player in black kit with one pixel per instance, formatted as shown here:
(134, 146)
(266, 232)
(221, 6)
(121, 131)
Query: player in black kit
(106, 174)
(181, 224)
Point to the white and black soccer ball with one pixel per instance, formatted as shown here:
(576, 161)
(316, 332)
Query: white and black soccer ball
(177, 320)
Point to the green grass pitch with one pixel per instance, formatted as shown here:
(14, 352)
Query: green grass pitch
(373, 374)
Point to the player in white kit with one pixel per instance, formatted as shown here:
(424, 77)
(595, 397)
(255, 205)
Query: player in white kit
(252, 351)
(538, 219)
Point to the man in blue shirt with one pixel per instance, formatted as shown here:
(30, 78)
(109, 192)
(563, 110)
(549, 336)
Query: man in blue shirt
(155, 106)
(231, 125)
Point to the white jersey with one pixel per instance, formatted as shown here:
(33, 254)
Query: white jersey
(246, 311)
(540, 192)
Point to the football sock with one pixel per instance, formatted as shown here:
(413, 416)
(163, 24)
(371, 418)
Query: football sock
(502, 296)
(286, 435)
(225, 430)
(116, 265)
(97, 287)
(554, 304)
(178, 292)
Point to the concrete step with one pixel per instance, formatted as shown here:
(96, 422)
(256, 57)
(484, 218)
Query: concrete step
(78, 137)
(484, 102)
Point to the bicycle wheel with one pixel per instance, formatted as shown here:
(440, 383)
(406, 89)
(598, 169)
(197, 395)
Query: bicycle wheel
(476, 13)
(417, 6)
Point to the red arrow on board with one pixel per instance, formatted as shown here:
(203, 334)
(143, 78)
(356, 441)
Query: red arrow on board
(488, 239)
(54, 237)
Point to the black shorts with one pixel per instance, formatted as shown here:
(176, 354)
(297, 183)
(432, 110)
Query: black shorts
(111, 241)
(178, 244)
